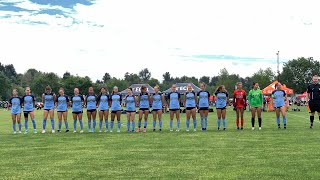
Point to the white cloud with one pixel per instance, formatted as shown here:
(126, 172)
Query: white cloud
(142, 33)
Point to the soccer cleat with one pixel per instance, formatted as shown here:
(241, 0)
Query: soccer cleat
(58, 130)
(154, 130)
(238, 128)
(224, 129)
(118, 131)
(218, 129)
(74, 131)
(259, 128)
(160, 129)
(144, 130)
(14, 132)
(128, 131)
(26, 132)
(133, 130)
(177, 130)
(252, 128)
(194, 130)
(81, 131)
(19, 132)
(241, 128)
(53, 131)
(138, 130)
(171, 130)
(35, 131)
(100, 131)
(284, 127)
(67, 130)
(110, 131)
(92, 130)
(311, 127)
(43, 131)
(187, 130)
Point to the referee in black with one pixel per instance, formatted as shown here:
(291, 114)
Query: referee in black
(313, 98)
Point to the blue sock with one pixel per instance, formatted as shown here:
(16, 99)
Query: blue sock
(111, 125)
(67, 125)
(119, 125)
(19, 125)
(34, 124)
(100, 124)
(160, 123)
(139, 124)
(178, 124)
(59, 125)
(81, 124)
(202, 122)
(206, 121)
(224, 123)
(219, 122)
(26, 125)
(284, 120)
(188, 123)
(52, 124)
(44, 124)
(94, 124)
(145, 124)
(14, 127)
(75, 125)
(107, 125)
(278, 120)
(133, 125)
(154, 123)
(195, 123)
(89, 125)
(171, 124)
(128, 125)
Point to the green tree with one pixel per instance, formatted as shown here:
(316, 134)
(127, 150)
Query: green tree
(132, 78)
(121, 84)
(29, 77)
(145, 75)
(106, 77)
(40, 82)
(83, 83)
(205, 79)
(153, 82)
(5, 87)
(167, 77)
(263, 77)
(229, 81)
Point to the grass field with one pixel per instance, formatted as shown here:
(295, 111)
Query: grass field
(232, 154)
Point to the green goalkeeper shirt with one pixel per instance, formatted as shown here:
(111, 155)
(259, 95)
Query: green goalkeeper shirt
(255, 98)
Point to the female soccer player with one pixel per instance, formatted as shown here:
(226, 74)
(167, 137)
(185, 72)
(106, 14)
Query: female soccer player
(174, 106)
(221, 105)
(279, 98)
(203, 103)
(255, 98)
(77, 102)
(103, 102)
(144, 105)
(91, 104)
(239, 103)
(28, 103)
(190, 101)
(15, 103)
(116, 100)
(130, 103)
(157, 105)
(62, 104)
(48, 99)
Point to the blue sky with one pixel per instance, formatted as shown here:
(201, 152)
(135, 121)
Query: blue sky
(184, 37)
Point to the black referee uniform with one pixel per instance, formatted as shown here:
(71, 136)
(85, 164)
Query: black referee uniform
(314, 100)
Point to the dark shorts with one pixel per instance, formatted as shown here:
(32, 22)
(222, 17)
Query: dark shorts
(278, 107)
(222, 108)
(61, 111)
(130, 111)
(26, 113)
(48, 109)
(174, 110)
(314, 106)
(104, 110)
(144, 109)
(80, 112)
(156, 110)
(204, 108)
(256, 107)
(190, 108)
(115, 112)
(91, 110)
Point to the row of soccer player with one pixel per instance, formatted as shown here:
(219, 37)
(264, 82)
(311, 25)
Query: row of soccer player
(105, 102)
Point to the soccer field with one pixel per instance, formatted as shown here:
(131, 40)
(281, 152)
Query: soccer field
(232, 154)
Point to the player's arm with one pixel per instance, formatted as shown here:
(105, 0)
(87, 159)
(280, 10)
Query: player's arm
(168, 100)
(139, 100)
(42, 98)
(68, 101)
(110, 100)
(179, 99)
(234, 99)
(22, 101)
(162, 99)
(150, 99)
(261, 98)
(308, 94)
(196, 98)
(185, 99)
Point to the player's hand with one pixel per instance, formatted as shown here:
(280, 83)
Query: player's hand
(234, 108)
(245, 108)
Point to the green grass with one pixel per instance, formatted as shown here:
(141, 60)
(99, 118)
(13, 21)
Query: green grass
(232, 154)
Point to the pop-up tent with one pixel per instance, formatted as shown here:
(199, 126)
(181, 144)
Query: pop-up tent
(182, 88)
(302, 95)
(136, 88)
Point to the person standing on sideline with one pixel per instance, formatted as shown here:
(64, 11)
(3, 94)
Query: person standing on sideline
(62, 104)
(144, 101)
(77, 103)
(203, 103)
(255, 99)
(48, 99)
(15, 103)
(239, 103)
(279, 98)
(313, 98)
(221, 105)
(115, 99)
(28, 103)
(103, 102)
(157, 105)
(174, 106)
(91, 104)
(130, 103)
(190, 103)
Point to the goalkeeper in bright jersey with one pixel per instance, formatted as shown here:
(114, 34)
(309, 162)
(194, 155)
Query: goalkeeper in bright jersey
(255, 99)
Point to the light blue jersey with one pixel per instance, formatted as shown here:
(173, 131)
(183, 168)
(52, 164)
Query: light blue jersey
(28, 103)
(48, 101)
(278, 96)
(77, 102)
(115, 102)
(15, 105)
(130, 103)
(103, 101)
(221, 99)
(91, 102)
(174, 100)
(62, 103)
(144, 101)
(203, 99)
(190, 99)
(157, 101)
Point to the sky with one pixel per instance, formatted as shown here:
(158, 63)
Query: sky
(183, 37)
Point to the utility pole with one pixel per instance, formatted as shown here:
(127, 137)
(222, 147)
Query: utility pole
(278, 71)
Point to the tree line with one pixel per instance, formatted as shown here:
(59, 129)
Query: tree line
(296, 74)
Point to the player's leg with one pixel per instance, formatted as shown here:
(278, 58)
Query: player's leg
(284, 117)
(89, 116)
(253, 114)
(113, 115)
(119, 121)
(80, 122)
(242, 118)
(178, 119)
(206, 113)
(223, 115)
(154, 117)
(14, 121)
(94, 122)
(65, 118)
(101, 115)
(159, 112)
(259, 111)
(106, 119)
(25, 115)
(59, 121)
(75, 117)
(219, 115)
(202, 119)
(171, 120)
(312, 112)
(194, 117)
(44, 122)
(238, 117)
(278, 117)
(33, 122)
(188, 114)
(51, 113)
(132, 118)
(146, 114)
(140, 119)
